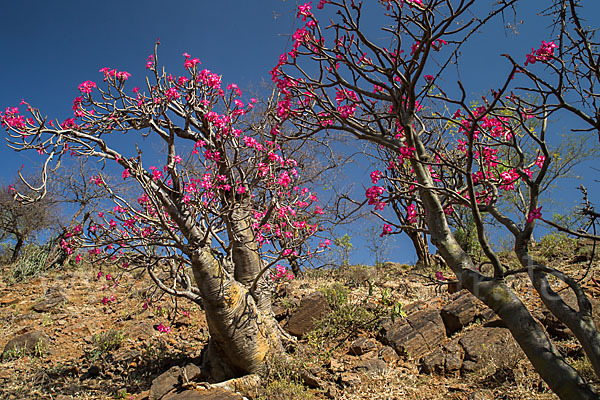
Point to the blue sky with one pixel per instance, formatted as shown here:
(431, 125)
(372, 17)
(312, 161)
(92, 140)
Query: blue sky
(49, 47)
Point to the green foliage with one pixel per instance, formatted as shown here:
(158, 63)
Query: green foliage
(556, 245)
(466, 236)
(31, 263)
(38, 351)
(344, 247)
(343, 321)
(106, 342)
(282, 375)
(336, 295)
(285, 389)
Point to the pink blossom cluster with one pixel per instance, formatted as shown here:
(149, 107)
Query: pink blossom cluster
(373, 195)
(163, 328)
(544, 53)
(281, 274)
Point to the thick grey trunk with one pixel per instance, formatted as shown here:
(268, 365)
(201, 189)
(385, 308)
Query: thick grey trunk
(242, 335)
(581, 322)
(531, 337)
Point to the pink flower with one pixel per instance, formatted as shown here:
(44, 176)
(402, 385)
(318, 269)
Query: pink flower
(150, 62)
(87, 87)
(536, 213)
(540, 160)
(411, 216)
(440, 277)
(428, 78)
(387, 229)
(190, 63)
(324, 243)
(164, 329)
(123, 75)
(375, 176)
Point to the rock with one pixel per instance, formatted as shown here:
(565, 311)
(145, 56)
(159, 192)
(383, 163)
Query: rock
(361, 346)
(53, 297)
(553, 325)
(481, 396)
(459, 313)
(92, 372)
(27, 343)
(373, 366)
(141, 331)
(25, 317)
(169, 380)
(279, 311)
(434, 362)
(336, 365)
(388, 354)
(416, 335)
(311, 309)
(454, 357)
(349, 379)
(204, 394)
(310, 379)
(489, 348)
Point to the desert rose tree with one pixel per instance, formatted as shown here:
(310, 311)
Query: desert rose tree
(392, 92)
(206, 217)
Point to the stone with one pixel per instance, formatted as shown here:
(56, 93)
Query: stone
(27, 343)
(416, 335)
(311, 309)
(349, 379)
(454, 357)
(53, 298)
(388, 354)
(279, 311)
(204, 394)
(169, 380)
(459, 313)
(311, 380)
(361, 346)
(373, 366)
(489, 348)
(433, 362)
(141, 331)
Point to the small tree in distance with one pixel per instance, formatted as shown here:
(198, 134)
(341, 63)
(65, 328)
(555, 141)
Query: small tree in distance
(18, 222)
(215, 212)
(343, 78)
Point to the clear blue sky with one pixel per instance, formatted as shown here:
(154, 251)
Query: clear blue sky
(49, 47)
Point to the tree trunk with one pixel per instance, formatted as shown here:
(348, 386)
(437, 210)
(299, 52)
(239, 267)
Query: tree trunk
(242, 335)
(563, 379)
(421, 248)
(17, 249)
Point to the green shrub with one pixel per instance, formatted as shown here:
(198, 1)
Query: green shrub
(336, 295)
(285, 389)
(106, 342)
(31, 263)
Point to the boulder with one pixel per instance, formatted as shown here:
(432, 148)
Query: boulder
(361, 346)
(416, 335)
(204, 394)
(388, 354)
(53, 297)
(459, 313)
(489, 348)
(311, 309)
(374, 366)
(26, 343)
(170, 379)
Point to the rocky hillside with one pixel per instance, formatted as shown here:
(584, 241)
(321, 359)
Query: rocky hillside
(385, 332)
